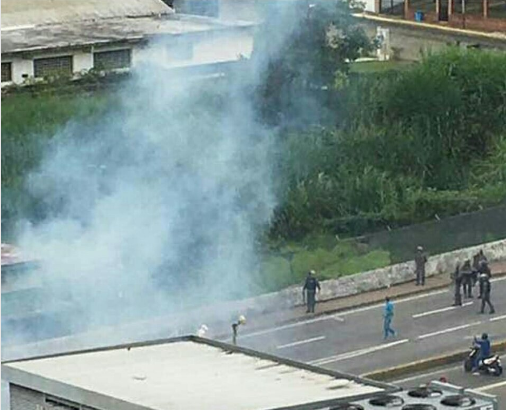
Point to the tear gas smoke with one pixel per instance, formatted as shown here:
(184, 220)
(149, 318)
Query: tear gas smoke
(154, 207)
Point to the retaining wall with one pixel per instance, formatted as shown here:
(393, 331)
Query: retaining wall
(372, 280)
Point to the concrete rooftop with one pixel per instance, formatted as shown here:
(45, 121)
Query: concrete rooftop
(182, 374)
(90, 32)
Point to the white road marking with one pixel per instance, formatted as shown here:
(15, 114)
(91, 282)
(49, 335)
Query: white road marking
(497, 318)
(301, 342)
(426, 375)
(491, 386)
(451, 329)
(348, 312)
(349, 355)
(446, 309)
(290, 325)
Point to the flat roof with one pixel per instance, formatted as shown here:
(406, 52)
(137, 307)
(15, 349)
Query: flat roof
(104, 31)
(186, 373)
(32, 12)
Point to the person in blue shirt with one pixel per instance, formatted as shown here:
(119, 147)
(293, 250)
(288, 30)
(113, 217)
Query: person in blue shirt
(484, 353)
(388, 315)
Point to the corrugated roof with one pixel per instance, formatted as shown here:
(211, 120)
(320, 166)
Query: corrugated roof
(187, 374)
(17, 13)
(81, 33)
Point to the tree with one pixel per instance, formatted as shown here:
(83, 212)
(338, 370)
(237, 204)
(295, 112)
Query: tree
(299, 51)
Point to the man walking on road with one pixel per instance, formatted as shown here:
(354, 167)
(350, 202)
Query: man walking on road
(310, 288)
(420, 261)
(388, 315)
(485, 297)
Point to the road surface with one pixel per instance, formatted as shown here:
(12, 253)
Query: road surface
(455, 375)
(352, 341)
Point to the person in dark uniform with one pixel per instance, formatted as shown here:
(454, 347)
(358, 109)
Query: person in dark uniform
(483, 269)
(457, 280)
(467, 279)
(420, 261)
(310, 287)
(485, 297)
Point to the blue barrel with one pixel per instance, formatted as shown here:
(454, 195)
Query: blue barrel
(418, 16)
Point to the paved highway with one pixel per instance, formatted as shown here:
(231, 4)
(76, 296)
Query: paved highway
(352, 341)
(455, 375)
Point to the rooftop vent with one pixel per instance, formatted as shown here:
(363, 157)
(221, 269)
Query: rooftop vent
(458, 400)
(347, 406)
(387, 401)
(425, 392)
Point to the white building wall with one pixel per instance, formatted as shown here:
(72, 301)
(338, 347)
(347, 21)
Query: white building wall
(370, 6)
(194, 50)
(83, 61)
(223, 48)
(20, 69)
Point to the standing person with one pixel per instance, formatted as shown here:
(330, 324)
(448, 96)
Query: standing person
(457, 280)
(420, 261)
(467, 279)
(235, 327)
(483, 269)
(485, 297)
(388, 315)
(310, 287)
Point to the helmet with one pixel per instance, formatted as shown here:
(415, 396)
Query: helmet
(242, 320)
(311, 272)
(419, 248)
(484, 336)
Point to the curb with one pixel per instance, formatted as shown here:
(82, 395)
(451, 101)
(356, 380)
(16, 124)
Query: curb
(426, 364)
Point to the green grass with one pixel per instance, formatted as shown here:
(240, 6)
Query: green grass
(290, 264)
(365, 67)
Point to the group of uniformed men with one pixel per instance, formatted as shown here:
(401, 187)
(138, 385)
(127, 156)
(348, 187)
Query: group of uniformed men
(468, 275)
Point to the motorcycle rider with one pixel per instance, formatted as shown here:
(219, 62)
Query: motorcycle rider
(484, 344)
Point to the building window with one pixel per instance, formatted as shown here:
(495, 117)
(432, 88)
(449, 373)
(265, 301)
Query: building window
(111, 60)
(53, 66)
(6, 73)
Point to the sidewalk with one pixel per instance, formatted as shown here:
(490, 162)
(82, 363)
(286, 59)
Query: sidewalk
(442, 281)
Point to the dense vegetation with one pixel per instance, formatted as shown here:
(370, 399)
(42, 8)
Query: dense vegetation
(408, 145)
(357, 152)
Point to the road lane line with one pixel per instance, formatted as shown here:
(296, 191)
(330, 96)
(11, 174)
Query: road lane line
(289, 326)
(355, 353)
(349, 312)
(301, 342)
(451, 329)
(497, 318)
(446, 309)
(491, 386)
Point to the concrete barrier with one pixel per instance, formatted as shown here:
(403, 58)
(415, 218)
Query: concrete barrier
(370, 280)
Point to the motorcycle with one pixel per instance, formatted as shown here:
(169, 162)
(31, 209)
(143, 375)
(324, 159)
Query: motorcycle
(491, 365)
